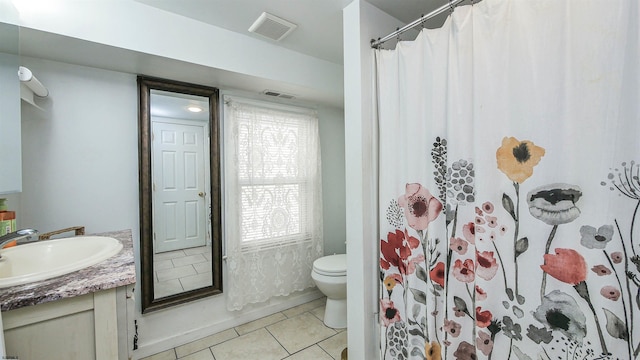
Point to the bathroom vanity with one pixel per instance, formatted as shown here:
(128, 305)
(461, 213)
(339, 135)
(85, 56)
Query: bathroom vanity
(86, 314)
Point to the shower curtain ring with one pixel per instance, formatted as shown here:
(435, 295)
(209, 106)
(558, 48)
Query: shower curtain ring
(422, 20)
(451, 6)
(398, 35)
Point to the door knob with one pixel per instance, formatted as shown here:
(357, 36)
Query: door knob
(201, 194)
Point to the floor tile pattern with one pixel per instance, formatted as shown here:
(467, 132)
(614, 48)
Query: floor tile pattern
(293, 334)
(182, 270)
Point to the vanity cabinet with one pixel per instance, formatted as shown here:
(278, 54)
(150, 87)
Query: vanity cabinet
(86, 314)
(82, 327)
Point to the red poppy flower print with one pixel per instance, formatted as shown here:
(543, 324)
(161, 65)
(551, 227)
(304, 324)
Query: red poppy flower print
(390, 249)
(487, 207)
(610, 292)
(463, 271)
(452, 327)
(616, 257)
(411, 241)
(480, 294)
(410, 264)
(469, 232)
(396, 251)
(465, 351)
(388, 313)
(458, 245)
(484, 343)
(601, 270)
(483, 318)
(566, 265)
(437, 274)
(492, 221)
(420, 207)
(486, 265)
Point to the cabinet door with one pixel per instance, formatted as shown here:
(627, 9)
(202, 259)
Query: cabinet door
(67, 337)
(62, 329)
(82, 327)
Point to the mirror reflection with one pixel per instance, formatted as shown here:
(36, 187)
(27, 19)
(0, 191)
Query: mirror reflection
(182, 244)
(179, 192)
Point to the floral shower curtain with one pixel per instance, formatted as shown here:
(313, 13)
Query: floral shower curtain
(510, 184)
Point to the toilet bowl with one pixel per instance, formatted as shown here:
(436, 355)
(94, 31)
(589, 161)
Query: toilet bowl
(330, 276)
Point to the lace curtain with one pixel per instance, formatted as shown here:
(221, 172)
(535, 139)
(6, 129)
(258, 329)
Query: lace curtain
(273, 200)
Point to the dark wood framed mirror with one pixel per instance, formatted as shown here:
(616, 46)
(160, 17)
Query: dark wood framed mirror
(180, 194)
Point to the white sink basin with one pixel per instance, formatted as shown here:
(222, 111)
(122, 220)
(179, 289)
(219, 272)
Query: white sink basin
(50, 258)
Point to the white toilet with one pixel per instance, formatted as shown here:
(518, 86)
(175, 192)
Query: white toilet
(330, 276)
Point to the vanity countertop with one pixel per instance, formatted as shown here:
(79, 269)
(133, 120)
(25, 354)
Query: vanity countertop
(118, 270)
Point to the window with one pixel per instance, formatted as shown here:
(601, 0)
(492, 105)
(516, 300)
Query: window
(274, 172)
(273, 199)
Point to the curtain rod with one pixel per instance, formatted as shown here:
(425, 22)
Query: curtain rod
(446, 7)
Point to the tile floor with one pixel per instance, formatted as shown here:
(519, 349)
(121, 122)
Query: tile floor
(293, 334)
(182, 270)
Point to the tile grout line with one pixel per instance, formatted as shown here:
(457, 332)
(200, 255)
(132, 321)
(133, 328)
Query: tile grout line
(222, 342)
(285, 317)
(316, 343)
(263, 327)
(278, 341)
(325, 351)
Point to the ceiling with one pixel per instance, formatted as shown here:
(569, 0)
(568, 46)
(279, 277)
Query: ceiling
(319, 31)
(318, 34)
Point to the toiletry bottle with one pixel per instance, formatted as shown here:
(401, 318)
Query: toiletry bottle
(7, 220)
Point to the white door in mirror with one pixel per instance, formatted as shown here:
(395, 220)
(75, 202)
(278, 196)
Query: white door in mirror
(180, 219)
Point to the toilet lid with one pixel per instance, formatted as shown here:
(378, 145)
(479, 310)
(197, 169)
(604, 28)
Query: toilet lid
(332, 265)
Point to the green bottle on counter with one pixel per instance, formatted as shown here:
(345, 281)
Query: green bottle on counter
(7, 219)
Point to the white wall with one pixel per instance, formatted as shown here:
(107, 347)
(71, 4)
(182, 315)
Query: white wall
(332, 142)
(10, 177)
(80, 167)
(80, 162)
(362, 22)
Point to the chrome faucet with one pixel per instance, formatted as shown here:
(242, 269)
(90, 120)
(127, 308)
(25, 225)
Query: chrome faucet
(21, 237)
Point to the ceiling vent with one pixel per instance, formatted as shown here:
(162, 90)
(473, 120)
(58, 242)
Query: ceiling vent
(278, 94)
(272, 27)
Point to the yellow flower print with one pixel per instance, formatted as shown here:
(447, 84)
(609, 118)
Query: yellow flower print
(432, 351)
(516, 158)
(391, 281)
